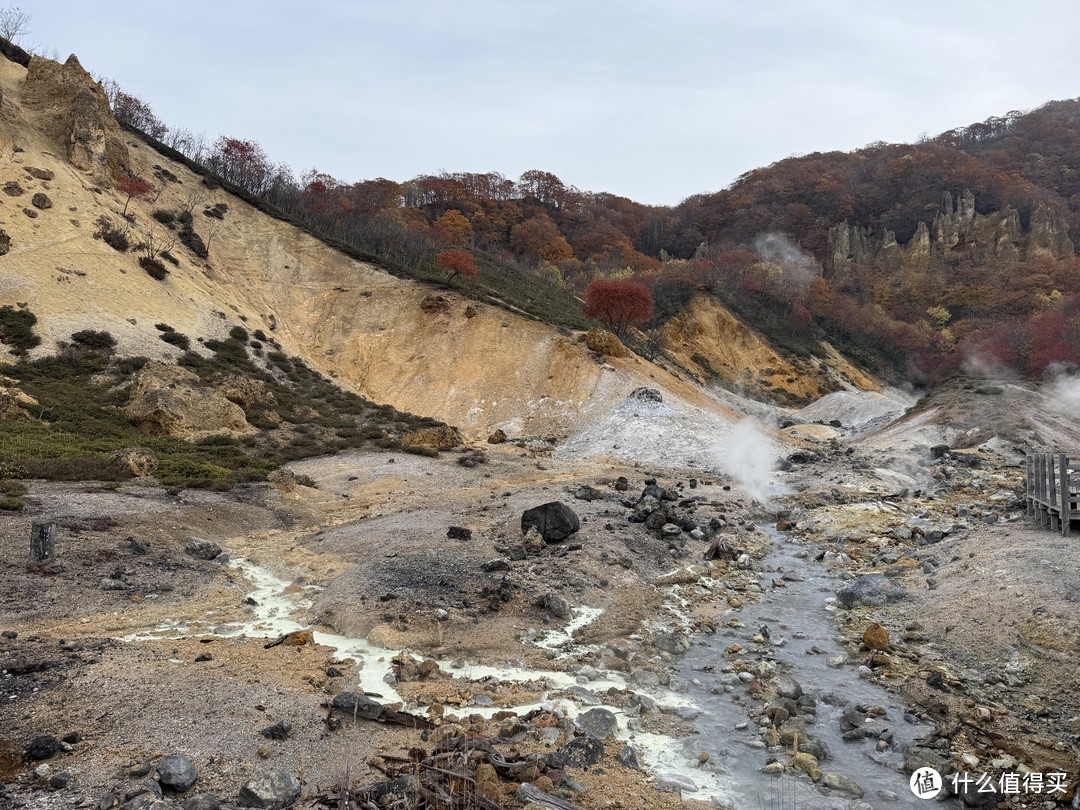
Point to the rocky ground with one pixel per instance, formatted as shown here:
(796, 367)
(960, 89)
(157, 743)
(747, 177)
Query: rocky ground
(426, 558)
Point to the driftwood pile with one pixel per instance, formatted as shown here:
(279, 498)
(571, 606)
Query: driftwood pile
(460, 773)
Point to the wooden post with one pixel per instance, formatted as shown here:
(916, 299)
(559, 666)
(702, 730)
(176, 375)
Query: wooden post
(1066, 495)
(42, 543)
(1052, 493)
(1029, 484)
(1040, 477)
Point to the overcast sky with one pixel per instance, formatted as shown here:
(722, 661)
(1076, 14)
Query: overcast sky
(649, 99)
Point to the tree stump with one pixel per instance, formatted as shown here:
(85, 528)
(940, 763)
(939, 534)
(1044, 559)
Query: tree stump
(42, 543)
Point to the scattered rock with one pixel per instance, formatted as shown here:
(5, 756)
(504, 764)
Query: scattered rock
(808, 764)
(673, 643)
(279, 731)
(604, 342)
(201, 549)
(5, 242)
(788, 687)
(297, 638)
(557, 606)
(202, 801)
(628, 757)
(434, 303)
(176, 773)
(533, 541)
(842, 784)
(876, 637)
(110, 584)
(598, 723)
(497, 437)
(459, 533)
(357, 704)
(646, 395)
(270, 791)
(437, 438)
(60, 780)
(41, 201)
(138, 462)
(40, 174)
(555, 521)
(580, 752)
(42, 747)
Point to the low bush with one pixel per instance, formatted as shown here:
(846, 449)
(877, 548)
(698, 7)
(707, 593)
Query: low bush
(113, 236)
(91, 339)
(193, 242)
(167, 218)
(153, 267)
(178, 339)
(17, 329)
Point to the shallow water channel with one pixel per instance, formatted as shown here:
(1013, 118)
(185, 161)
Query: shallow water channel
(796, 609)
(802, 633)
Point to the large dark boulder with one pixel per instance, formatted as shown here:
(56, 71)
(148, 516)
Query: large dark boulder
(555, 521)
(872, 590)
(176, 773)
(357, 704)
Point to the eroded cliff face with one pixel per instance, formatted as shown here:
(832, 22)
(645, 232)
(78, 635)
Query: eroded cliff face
(956, 229)
(711, 342)
(71, 108)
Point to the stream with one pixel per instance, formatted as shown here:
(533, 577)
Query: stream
(802, 643)
(802, 638)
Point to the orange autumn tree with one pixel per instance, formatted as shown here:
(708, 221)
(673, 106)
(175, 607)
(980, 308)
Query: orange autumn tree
(618, 304)
(457, 262)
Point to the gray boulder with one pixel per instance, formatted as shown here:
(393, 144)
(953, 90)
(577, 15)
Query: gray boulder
(870, 589)
(202, 801)
(201, 549)
(555, 521)
(176, 772)
(598, 723)
(270, 791)
(358, 704)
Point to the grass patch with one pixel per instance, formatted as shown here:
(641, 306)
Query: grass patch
(81, 425)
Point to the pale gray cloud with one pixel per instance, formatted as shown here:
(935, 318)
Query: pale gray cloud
(651, 100)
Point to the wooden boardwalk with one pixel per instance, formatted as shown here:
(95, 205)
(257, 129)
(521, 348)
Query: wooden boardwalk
(1052, 484)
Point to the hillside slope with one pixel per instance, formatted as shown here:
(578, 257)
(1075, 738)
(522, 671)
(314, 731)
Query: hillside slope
(392, 340)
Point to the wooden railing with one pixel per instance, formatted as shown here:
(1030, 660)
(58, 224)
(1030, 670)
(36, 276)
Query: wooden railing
(1052, 483)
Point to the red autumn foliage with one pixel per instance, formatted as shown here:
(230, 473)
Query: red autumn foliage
(132, 187)
(457, 262)
(618, 304)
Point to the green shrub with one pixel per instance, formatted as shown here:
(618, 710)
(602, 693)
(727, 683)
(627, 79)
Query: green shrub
(9, 503)
(193, 242)
(17, 329)
(167, 218)
(421, 450)
(178, 339)
(92, 339)
(153, 267)
(111, 235)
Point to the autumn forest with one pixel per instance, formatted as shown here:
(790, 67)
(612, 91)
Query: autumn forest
(955, 253)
